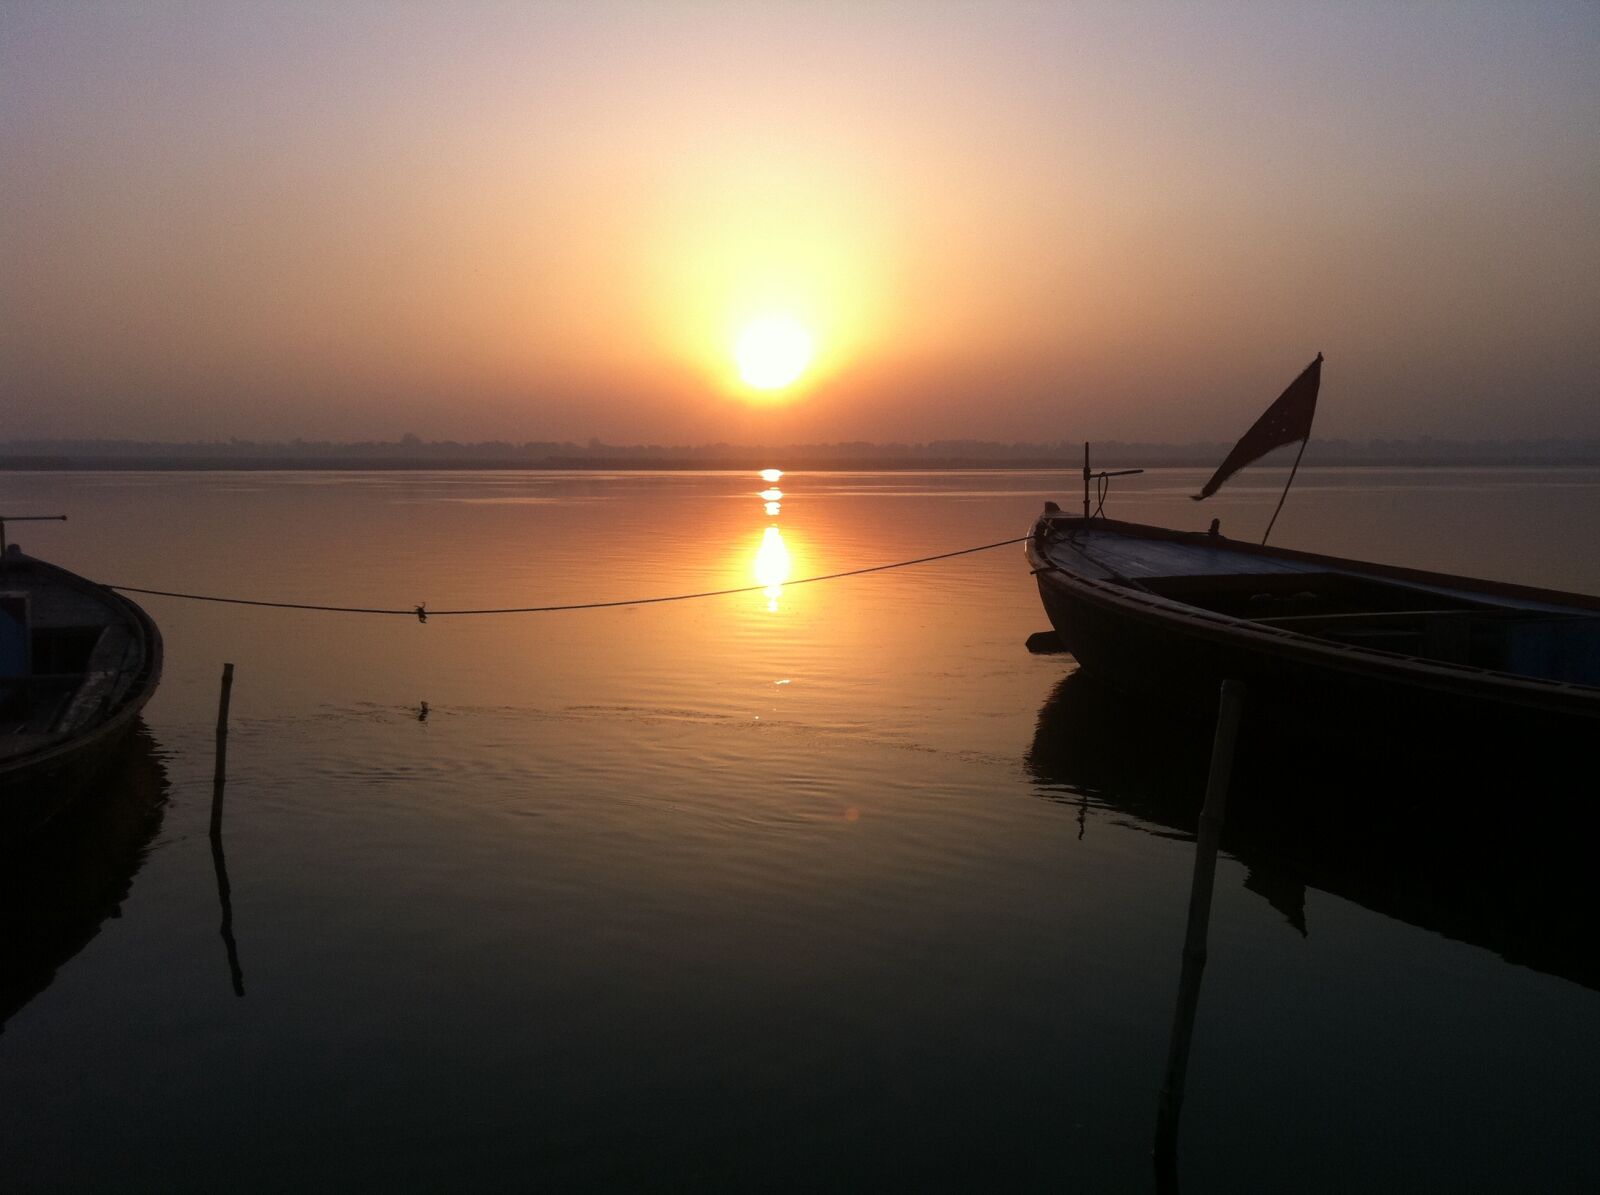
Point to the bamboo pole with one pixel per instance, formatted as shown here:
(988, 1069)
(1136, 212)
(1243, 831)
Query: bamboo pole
(220, 775)
(1286, 486)
(1170, 1102)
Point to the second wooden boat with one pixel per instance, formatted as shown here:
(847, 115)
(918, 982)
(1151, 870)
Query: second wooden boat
(1329, 643)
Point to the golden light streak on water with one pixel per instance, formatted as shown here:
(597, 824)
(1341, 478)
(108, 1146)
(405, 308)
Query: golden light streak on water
(772, 565)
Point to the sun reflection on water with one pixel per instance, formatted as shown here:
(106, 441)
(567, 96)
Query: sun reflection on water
(772, 565)
(772, 562)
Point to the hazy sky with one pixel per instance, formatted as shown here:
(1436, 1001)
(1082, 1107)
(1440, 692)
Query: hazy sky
(1002, 221)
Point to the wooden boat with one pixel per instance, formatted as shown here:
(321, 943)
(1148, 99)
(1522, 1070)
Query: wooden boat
(77, 664)
(1321, 642)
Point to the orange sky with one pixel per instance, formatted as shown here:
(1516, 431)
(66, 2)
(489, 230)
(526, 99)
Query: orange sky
(998, 221)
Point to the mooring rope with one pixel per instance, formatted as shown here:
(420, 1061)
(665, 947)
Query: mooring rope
(422, 613)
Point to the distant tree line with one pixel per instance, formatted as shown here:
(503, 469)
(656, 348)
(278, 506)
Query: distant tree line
(412, 452)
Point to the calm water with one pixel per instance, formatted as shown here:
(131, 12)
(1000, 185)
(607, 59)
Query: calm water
(832, 885)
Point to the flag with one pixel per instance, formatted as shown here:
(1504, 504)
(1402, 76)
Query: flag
(1284, 422)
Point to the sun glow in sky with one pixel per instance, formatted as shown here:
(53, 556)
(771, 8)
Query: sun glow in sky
(773, 351)
(663, 223)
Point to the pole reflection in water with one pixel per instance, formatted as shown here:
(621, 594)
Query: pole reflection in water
(1169, 1102)
(219, 861)
(225, 899)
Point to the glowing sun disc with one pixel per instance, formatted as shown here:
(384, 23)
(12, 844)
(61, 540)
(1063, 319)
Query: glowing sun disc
(772, 352)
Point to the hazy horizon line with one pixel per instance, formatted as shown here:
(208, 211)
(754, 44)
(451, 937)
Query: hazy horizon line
(411, 452)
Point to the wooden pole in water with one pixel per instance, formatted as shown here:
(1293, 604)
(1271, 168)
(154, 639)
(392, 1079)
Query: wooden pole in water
(218, 860)
(220, 776)
(1170, 1102)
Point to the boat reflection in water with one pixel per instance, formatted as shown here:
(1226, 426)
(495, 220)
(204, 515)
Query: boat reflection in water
(55, 894)
(1486, 859)
(1476, 857)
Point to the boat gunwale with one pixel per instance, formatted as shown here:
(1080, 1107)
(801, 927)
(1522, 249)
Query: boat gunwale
(1470, 585)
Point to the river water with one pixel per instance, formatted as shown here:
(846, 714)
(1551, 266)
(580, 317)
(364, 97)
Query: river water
(813, 885)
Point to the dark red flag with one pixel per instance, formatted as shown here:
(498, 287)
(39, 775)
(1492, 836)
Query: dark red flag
(1284, 422)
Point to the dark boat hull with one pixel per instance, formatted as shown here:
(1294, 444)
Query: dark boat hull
(35, 793)
(1148, 648)
(38, 786)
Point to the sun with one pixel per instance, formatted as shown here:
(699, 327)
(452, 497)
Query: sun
(772, 352)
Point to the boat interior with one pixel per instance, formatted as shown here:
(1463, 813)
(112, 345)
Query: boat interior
(1415, 621)
(63, 658)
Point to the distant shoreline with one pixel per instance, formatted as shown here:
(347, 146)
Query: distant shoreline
(411, 453)
(791, 463)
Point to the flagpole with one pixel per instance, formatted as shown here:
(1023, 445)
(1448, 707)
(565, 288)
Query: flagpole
(1286, 485)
